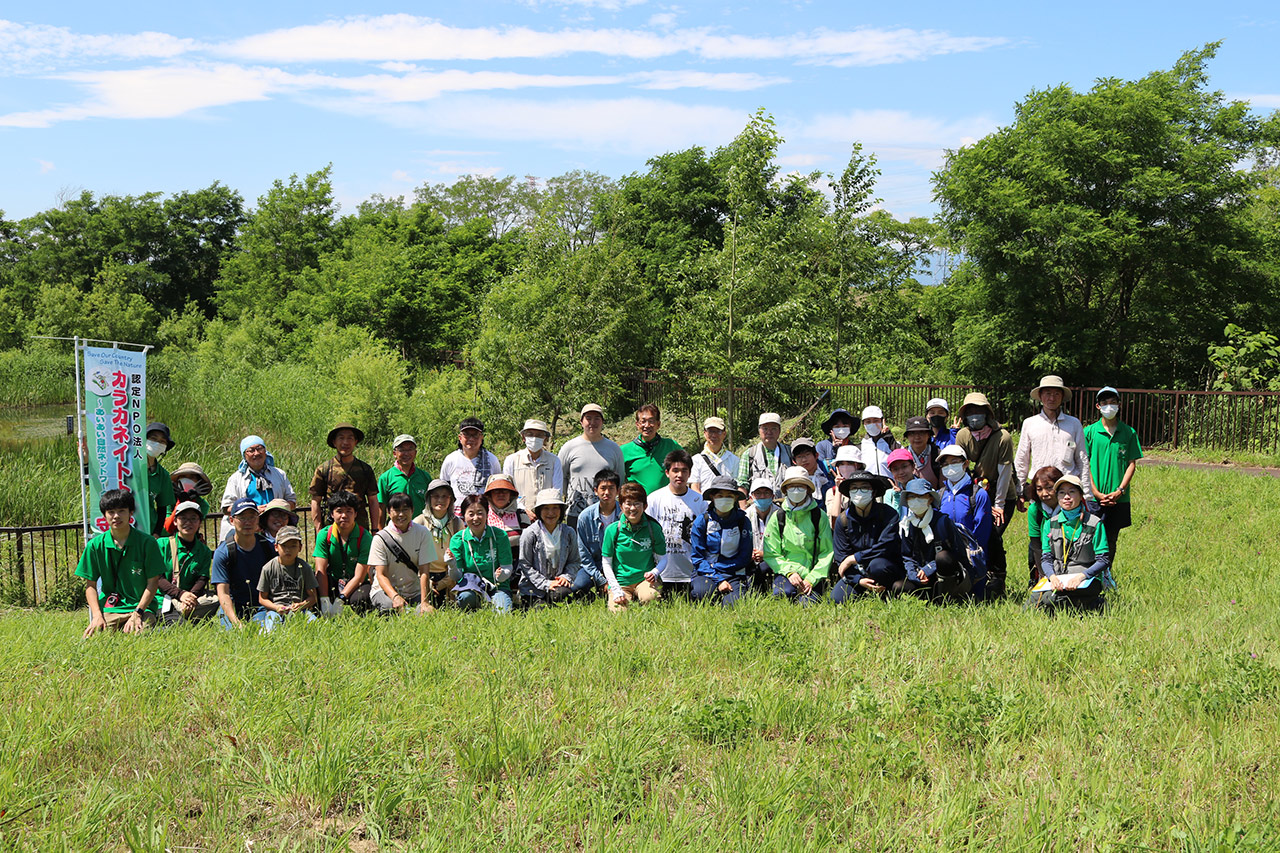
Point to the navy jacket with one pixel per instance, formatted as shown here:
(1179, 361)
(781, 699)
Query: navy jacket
(874, 540)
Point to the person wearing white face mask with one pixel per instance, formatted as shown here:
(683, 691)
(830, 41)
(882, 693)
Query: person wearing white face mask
(839, 427)
(720, 546)
(990, 450)
(1114, 451)
(848, 461)
(534, 468)
(797, 541)
(965, 503)
(933, 553)
(878, 443)
(759, 510)
(160, 497)
(867, 545)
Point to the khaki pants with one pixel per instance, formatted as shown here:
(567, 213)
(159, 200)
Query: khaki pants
(115, 621)
(641, 593)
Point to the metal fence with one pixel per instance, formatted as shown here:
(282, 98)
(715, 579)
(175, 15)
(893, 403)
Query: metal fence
(36, 561)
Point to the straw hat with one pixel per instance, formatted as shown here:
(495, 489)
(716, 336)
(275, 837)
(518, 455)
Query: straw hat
(1051, 382)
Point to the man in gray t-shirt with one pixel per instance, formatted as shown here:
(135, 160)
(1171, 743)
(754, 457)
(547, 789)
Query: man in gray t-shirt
(583, 457)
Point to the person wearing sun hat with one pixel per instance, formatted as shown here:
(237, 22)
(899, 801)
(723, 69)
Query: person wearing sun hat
(989, 448)
(867, 553)
(548, 558)
(1075, 558)
(798, 541)
(345, 473)
(933, 554)
(1050, 437)
(533, 468)
(839, 428)
(190, 484)
(404, 476)
(967, 504)
(258, 478)
(720, 545)
(847, 462)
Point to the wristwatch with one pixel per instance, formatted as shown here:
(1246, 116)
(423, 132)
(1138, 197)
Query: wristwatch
(139, 611)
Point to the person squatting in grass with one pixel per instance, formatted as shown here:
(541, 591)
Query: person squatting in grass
(1043, 505)
(933, 552)
(483, 555)
(630, 551)
(400, 556)
(759, 510)
(902, 470)
(287, 585)
(867, 547)
(674, 507)
(1074, 559)
(439, 520)
(720, 545)
(129, 565)
(549, 557)
(592, 524)
(186, 588)
(342, 558)
(798, 541)
(237, 566)
(848, 460)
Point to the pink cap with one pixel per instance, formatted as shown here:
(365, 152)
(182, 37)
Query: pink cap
(900, 455)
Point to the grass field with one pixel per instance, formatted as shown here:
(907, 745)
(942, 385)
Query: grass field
(878, 726)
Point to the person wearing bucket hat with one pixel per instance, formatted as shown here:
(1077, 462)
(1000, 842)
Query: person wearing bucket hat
(720, 545)
(585, 456)
(441, 521)
(643, 457)
(186, 587)
(400, 557)
(676, 506)
(1114, 451)
(404, 476)
(258, 478)
(714, 460)
(839, 427)
(867, 548)
(768, 458)
(989, 448)
(503, 514)
(275, 515)
(968, 505)
(798, 541)
(1050, 437)
(160, 497)
(548, 559)
(345, 473)
(848, 461)
(1075, 559)
(469, 468)
(190, 485)
(924, 454)
(878, 443)
(933, 553)
(535, 468)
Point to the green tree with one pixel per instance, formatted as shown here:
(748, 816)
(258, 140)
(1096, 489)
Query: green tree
(1105, 230)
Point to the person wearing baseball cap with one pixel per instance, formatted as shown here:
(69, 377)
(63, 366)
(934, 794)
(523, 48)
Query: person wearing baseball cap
(468, 469)
(924, 453)
(902, 468)
(1050, 437)
(878, 443)
(583, 457)
(237, 565)
(287, 585)
(186, 587)
(1114, 451)
(533, 469)
(768, 457)
(714, 460)
(939, 413)
(404, 476)
(345, 473)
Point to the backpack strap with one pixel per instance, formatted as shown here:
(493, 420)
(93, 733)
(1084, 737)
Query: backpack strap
(712, 465)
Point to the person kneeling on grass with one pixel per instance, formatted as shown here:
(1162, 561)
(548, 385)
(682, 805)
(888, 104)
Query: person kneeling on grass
(1075, 560)
(1043, 505)
(342, 557)
(188, 593)
(128, 564)
(798, 541)
(401, 556)
(720, 545)
(630, 551)
(237, 565)
(483, 555)
(440, 521)
(867, 545)
(548, 553)
(287, 585)
(592, 523)
(933, 553)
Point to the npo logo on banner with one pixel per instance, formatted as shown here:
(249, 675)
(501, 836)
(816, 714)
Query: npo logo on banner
(115, 419)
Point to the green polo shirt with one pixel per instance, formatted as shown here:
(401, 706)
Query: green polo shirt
(343, 556)
(160, 498)
(393, 481)
(644, 464)
(634, 551)
(481, 556)
(1110, 455)
(194, 560)
(124, 572)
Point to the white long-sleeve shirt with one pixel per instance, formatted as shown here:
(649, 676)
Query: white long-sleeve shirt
(1058, 443)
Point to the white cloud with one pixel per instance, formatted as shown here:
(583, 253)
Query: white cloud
(23, 46)
(895, 134)
(722, 81)
(1266, 102)
(45, 166)
(663, 19)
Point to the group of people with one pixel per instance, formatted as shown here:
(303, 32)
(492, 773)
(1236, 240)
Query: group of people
(840, 518)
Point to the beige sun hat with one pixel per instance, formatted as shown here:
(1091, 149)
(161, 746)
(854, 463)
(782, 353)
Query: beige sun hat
(547, 497)
(1051, 381)
(797, 476)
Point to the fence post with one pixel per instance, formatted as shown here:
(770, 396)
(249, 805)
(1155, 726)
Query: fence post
(1177, 405)
(22, 575)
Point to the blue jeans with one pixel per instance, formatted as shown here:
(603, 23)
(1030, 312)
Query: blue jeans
(269, 620)
(502, 601)
(784, 588)
(706, 589)
(847, 589)
(586, 581)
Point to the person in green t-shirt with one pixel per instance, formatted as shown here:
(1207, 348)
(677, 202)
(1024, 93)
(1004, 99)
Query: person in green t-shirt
(483, 555)
(185, 587)
(404, 476)
(630, 551)
(1114, 452)
(645, 455)
(342, 558)
(128, 564)
(160, 497)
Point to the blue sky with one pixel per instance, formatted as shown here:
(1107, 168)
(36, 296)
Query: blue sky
(138, 97)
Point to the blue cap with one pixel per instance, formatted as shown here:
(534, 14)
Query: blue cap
(1105, 390)
(243, 504)
(918, 486)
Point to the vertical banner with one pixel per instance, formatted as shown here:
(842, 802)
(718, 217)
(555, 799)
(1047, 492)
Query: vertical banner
(115, 420)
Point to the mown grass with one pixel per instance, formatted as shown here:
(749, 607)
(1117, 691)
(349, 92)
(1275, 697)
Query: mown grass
(879, 726)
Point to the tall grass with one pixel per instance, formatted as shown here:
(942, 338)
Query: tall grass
(881, 726)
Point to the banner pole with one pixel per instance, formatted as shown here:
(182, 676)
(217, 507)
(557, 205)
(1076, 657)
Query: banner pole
(80, 448)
